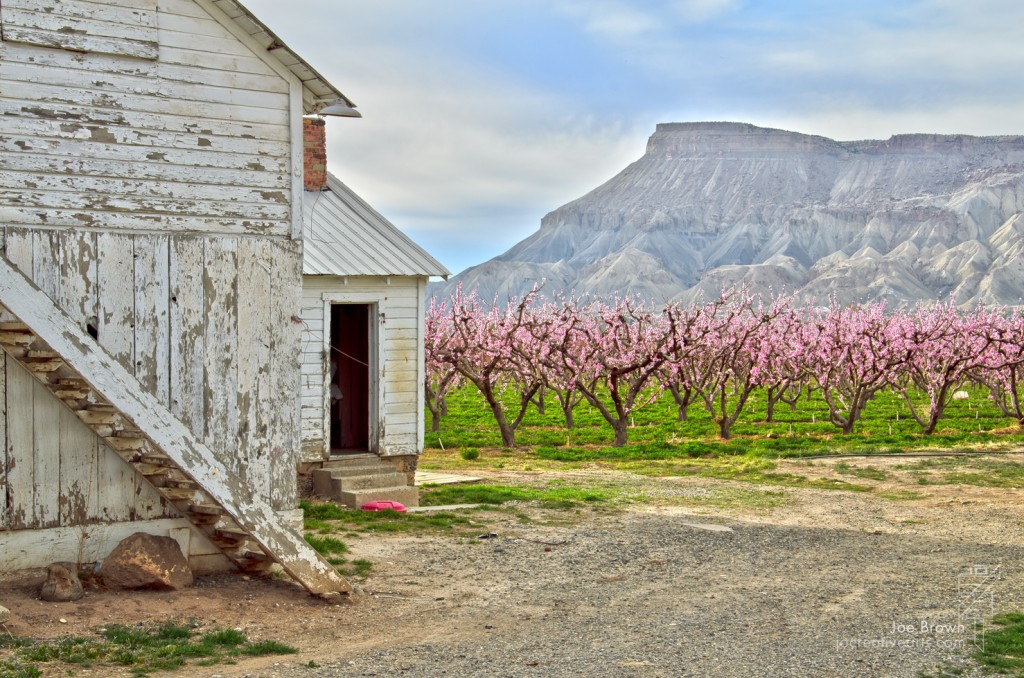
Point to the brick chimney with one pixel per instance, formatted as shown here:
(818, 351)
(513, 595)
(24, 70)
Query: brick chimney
(314, 154)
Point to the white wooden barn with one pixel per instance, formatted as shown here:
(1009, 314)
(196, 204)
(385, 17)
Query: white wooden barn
(151, 214)
(363, 301)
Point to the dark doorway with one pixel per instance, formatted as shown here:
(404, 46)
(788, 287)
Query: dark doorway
(350, 378)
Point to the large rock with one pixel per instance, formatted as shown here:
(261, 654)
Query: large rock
(913, 218)
(5, 615)
(62, 584)
(143, 561)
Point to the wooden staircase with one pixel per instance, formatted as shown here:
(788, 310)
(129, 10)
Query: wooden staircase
(146, 435)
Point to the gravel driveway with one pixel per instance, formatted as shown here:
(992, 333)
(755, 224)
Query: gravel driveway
(675, 594)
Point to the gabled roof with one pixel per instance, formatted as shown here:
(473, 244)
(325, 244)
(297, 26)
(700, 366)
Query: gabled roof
(343, 235)
(316, 88)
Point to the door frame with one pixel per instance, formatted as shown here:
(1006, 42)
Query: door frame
(375, 321)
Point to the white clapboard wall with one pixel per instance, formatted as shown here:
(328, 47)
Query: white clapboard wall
(398, 382)
(197, 140)
(146, 182)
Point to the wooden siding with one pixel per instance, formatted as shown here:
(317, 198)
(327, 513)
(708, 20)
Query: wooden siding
(152, 201)
(196, 141)
(127, 28)
(205, 324)
(399, 350)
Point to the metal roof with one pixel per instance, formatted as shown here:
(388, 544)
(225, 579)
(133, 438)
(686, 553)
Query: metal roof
(343, 235)
(316, 89)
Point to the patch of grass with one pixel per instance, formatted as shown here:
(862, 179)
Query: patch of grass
(902, 495)
(143, 648)
(550, 497)
(353, 521)
(326, 545)
(1003, 651)
(865, 472)
(360, 567)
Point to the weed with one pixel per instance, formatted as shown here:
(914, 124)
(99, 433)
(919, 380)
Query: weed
(143, 648)
(469, 453)
(326, 545)
(903, 495)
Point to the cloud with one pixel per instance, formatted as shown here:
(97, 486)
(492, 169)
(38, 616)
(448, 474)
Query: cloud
(701, 11)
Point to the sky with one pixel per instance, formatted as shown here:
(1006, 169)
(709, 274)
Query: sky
(481, 116)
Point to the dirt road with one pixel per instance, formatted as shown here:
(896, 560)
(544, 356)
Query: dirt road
(811, 583)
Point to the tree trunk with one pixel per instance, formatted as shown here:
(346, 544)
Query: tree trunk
(567, 411)
(539, 400)
(683, 398)
(621, 433)
(435, 420)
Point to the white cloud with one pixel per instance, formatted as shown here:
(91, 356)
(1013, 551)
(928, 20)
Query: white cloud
(701, 11)
(615, 21)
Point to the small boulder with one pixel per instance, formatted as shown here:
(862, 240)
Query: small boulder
(5, 615)
(143, 561)
(62, 584)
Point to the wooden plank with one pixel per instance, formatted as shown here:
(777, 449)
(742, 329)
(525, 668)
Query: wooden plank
(4, 485)
(143, 138)
(66, 202)
(142, 102)
(116, 297)
(79, 484)
(107, 27)
(285, 336)
(78, 271)
(220, 197)
(255, 397)
(188, 332)
(220, 302)
(79, 451)
(216, 88)
(152, 321)
(20, 448)
(18, 248)
(46, 408)
(102, 145)
(190, 455)
(152, 171)
(115, 290)
(72, 112)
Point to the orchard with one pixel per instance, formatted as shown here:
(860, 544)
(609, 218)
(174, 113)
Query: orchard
(617, 358)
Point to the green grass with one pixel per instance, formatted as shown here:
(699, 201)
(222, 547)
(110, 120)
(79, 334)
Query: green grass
(550, 497)
(143, 649)
(1003, 650)
(886, 427)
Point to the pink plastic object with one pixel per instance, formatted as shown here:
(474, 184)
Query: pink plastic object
(383, 505)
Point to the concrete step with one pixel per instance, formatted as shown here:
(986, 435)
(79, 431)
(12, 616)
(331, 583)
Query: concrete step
(408, 496)
(352, 483)
(341, 461)
(365, 470)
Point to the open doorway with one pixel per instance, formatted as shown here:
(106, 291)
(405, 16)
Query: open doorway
(351, 392)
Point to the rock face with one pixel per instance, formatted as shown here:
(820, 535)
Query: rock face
(62, 584)
(914, 218)
(143, 561)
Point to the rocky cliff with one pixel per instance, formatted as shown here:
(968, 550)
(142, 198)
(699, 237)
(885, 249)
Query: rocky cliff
(711, 205)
